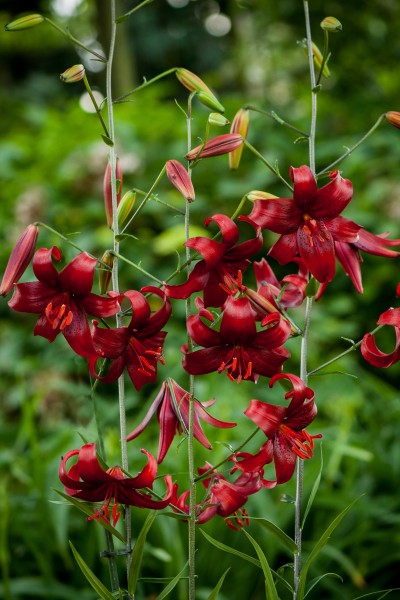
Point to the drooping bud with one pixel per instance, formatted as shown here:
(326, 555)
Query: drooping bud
(331, 24)
(107, 190)
(318, 59)
(240, 124)
(125, 207)
(217, 119)
(26, 22)
(179, 177)
(257, 195)
(398, 290)
(222, 144)
(73, 74)
(193, 83)
(393, 118)
(20, 258)
(105, 273)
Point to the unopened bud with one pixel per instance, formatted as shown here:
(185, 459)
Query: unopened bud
(312, 287)
(393, 118)
(240, 124)
(331, 24)
(73, 74)
(193, 83)
(125, 207)
(26, 22)
(222, 144)
(108, 193)
(20, 258)
(257, 195)
(217, 119)
(179, 177)
(318, 59)
(105, 271)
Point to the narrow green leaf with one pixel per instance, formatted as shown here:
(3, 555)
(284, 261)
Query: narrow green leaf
(314, 490)
(373, 594)
(316, 581)
(83, 507)
(125, 236)
(278, 533)
(230, 550)
(214, 593)
(172, 584)
(90, 576)
(107, 140)
(137, 553)
(318, 547)
(271, 593)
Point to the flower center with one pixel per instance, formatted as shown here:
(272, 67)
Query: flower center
(234, 363)
(59, 316)
(240, 521)
(103, 512)
(146, 368)
(302, 442)
(314, 229)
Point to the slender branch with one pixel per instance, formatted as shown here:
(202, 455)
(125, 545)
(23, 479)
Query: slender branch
(72, 39)
(145, 84)
(311, 139)
(137, 267)
(128, 14)
(268, 164)
(146, 198)
(350, 150)
(272, 114)
(324, 56)
(96, 106)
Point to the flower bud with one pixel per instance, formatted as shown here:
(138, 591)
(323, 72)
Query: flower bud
(257, 195)
(105, 274)
(107, 190)
(393, 118)
(318, 58)
(222, 144)
(331, 24)
(26, 22)
(20, 258)
(217, 119)
(73, 74)
(125, 207)
(180, 179)
(240, 124)
(193, 83)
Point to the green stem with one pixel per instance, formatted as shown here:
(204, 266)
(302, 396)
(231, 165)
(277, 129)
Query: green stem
(72, 39)
(145, 84)
(311, 138)
(324, 56)
(272, 114)
(191, 466)
(268, 164)
(96, 106)
(128, 14)
(137, 267)
(146, 198)
(154, 198)
(350, 150)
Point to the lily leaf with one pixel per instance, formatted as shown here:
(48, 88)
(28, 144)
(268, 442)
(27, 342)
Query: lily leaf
(278, 533)
(230, 550)
(83, 507)
(382, 592)
(318, 547)
(271, 593)
(90, 576)
(316, 581)
(214, 593)
(137, 553)
(172, 584)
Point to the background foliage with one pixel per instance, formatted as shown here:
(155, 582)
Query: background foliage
(52, 162)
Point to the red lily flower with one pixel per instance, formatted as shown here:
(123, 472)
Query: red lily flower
(369, 349)
(88, 481)
(309, 223)
(63, 299)
(220, 259)
(223, 497)
(254, 463)
(238, 348)
(138, 346)
(172, 406)
(285, 426)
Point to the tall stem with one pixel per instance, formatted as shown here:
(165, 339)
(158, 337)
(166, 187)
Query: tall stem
(115, 280)
(311, 139)
(192, 482)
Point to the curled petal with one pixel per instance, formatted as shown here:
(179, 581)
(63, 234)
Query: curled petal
(376, 244)
(305, 186)
(229, 230)
(369, 349)
(332, 198)
(280, 215)
(350, 259)
(43, 266)
(285, 249)
(77, 276)
(147, 476)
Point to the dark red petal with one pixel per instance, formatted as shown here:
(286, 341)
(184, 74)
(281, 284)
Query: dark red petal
(229, 498)
(201, 412)
(201, 334)
(68, 478)
(247, 462)
(78, 333)
(284, 459)
(280, 215)
(211, 250)
(376, 244)
(275, 335)
(299, 392)
(332, 198)
(305, 187)
(266, 416)
(140, 309)
(43, 266)
(77, 276)
(317, 249)
(44, 328)
(114, 372)
(159, 400)
(110, 343)
(180, 179)
(349, 258)
(89, 466)
(196, 281)
(343, 230)
(376, 357)
(390, 317)
(245, 249)
(285, 249)
(157, 320)
(146, 477)
(169, 422)
(238, 322)
(31, 297)
(267, 362)
(99, 306)
(264, 274)
(204, 361)
(135, 498)
(228, 228)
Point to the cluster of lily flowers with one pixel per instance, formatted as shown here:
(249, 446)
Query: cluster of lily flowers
(245, 342)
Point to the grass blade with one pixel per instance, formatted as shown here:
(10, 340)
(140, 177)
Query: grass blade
(314, 490)
(278, 533)
(214, 593)
(137, 553)
(91, 577)
(271, 593)
(230, 550)
(172, 584)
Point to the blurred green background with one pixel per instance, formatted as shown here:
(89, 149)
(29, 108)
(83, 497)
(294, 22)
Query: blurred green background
(52, 162)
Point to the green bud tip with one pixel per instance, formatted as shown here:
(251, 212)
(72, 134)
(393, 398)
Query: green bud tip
(26, 22)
